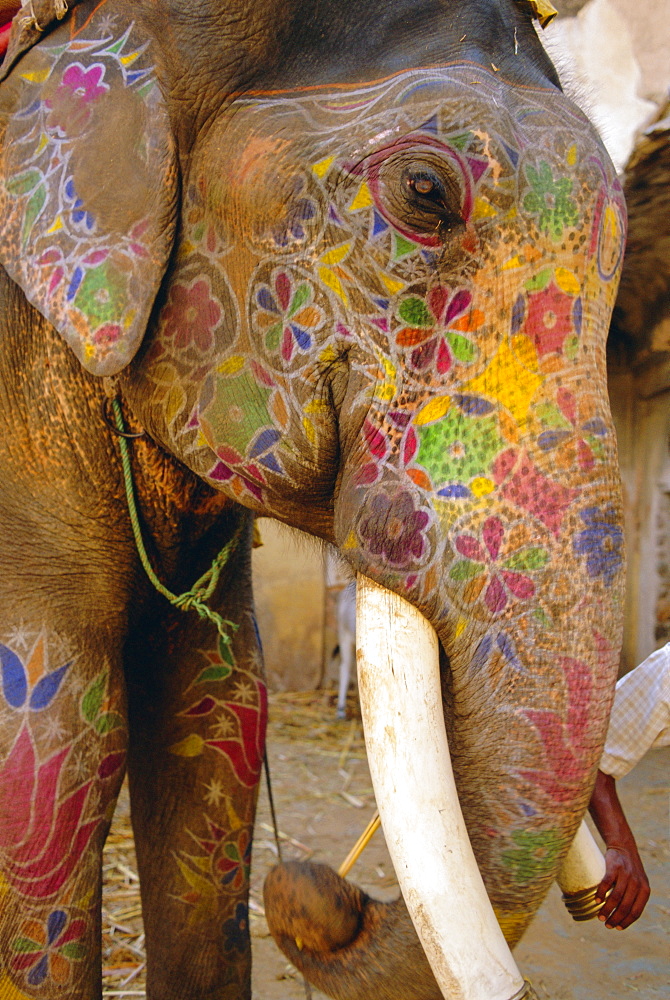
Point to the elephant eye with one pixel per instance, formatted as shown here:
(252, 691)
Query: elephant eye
(424, 185)
(421, 189)
(429, 192)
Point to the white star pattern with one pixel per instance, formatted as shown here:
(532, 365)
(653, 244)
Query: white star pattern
(244, 692)
(107, 25)
(213, 792)
(20, 637)
(223, 726)
(53, 730)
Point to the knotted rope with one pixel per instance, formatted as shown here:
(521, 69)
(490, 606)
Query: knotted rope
(196, 598)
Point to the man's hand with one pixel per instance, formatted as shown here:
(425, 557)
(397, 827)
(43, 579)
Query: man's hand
(625, 874)
(626, 877)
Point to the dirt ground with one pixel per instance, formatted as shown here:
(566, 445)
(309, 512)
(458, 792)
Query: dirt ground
(324, 800)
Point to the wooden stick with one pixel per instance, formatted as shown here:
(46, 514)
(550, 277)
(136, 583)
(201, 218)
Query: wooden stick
(360, 845)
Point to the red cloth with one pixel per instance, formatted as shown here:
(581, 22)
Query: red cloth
(4, 39)
(5, 28)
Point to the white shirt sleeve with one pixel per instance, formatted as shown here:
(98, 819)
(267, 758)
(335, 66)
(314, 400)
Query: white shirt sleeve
(640, 716)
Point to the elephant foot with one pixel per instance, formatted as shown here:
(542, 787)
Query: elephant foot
(346, 944)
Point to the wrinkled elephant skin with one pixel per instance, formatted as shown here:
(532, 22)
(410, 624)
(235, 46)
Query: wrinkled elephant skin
(349, 268)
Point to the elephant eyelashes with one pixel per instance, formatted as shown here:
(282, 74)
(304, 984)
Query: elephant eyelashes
(425, 185)
(428, 194)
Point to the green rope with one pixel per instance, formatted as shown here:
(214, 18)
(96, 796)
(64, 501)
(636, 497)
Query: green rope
(194, 599)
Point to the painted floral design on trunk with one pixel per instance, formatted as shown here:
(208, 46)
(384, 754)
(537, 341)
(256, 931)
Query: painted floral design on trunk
(601, 542)
(550, 313)
(533, 853)
(572, 431)
(495, 581)
(395, 530)
(459, 439)
(569, 738)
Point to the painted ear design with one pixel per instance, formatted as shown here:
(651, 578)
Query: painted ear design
(88, 185)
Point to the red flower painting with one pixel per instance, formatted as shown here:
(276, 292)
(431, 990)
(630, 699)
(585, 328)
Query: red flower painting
(42, 836)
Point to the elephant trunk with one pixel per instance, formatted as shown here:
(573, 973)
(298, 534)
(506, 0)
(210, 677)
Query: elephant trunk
(353, 947)
(348, 945)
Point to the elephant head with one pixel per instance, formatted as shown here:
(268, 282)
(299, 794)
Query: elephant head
(359, 279)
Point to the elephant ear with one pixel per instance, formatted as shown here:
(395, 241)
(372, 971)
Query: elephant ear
(88, 184)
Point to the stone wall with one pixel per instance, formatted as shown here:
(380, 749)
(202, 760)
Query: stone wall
(662, 630)
(289, 593)
(642, 420)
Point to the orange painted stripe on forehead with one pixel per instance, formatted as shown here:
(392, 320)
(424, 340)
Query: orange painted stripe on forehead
(352, 87)
(76, 12)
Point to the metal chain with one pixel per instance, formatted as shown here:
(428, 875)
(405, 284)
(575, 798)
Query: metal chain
(273, 814)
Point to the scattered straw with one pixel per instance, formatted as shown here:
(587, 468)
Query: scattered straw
(123, 958)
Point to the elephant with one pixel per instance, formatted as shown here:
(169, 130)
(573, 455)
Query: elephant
(348, 264)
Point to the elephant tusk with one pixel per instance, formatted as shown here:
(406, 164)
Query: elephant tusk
(581, 873)
(401, 706)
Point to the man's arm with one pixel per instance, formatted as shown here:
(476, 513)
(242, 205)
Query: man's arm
(640, 720)
(625, 874)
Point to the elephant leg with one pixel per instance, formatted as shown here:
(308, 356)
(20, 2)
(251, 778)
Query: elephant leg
(62, 757)
(198, 715)
(66, 562)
